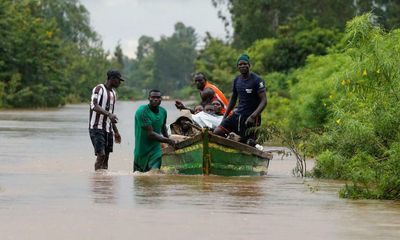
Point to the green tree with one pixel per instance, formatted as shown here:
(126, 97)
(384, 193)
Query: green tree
(174, 59)
(296, 41)
(218, 61)
(253, 20)
(33, 58)
(72, 19)
(140, 71)
(145, 47)
(49, 54)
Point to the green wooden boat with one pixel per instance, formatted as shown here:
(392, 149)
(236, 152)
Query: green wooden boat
(209, 154)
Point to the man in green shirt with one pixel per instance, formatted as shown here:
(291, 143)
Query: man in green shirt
(150, 132)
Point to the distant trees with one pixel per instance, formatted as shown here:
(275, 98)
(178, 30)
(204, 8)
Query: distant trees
(48, 53)
(166, 64)
(258, 19)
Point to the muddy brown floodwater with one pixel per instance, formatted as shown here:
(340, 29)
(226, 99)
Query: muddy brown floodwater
(48, 190)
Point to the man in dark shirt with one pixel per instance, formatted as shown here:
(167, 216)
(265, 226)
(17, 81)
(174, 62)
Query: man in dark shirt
(250, 89)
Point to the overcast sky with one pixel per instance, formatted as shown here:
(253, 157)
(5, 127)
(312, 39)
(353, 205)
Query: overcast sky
(127, 20)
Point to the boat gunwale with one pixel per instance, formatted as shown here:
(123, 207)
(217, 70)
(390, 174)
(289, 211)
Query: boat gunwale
(183, 144)
(239, 146)
(221, 141)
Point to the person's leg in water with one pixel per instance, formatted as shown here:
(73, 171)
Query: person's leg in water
(105, 162)
(101, 156)
(98, 138)
(154, 166)
(108, 149)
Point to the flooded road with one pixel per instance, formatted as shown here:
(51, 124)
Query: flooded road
(49, 190)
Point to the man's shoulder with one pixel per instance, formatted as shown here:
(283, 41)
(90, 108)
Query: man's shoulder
(210, 86)
(141, 108)
(237, 77)
(163, 110)
(255, 76)
(98, 86)
(259, 82)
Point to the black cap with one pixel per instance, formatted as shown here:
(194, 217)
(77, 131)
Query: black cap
(114, 74)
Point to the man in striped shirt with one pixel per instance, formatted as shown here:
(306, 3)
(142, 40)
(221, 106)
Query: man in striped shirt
(102, 120)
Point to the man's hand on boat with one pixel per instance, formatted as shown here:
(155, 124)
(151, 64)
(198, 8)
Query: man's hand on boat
(172, 142)
(179, 105)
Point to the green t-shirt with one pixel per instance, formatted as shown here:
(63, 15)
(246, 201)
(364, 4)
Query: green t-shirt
(146, 149)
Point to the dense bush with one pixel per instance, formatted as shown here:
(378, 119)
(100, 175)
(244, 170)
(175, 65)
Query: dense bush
(349, 100)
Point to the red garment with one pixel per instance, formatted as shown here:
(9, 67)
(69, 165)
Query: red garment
(218, 95)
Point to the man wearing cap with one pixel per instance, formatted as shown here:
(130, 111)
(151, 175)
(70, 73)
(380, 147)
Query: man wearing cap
(208, 93)
(102, 120)
(250, 89)
(150, 132)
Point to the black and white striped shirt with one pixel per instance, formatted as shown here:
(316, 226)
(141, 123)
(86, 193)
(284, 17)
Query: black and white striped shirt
(106, 99)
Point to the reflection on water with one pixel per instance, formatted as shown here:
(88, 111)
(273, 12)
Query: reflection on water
(148, 190)
(104, 188)
(228, 194)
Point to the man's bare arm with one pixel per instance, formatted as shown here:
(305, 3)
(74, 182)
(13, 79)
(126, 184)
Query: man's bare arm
(231, 104)
(158, 137)
(97, 108)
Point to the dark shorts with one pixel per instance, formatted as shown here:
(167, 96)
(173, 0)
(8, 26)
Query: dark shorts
(235, 123)
(102, 141)
(152, 164)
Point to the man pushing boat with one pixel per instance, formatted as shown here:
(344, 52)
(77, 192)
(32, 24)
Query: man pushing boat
(150, 131)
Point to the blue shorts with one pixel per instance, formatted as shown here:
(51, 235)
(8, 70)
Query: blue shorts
(102, 141)
(236, 123)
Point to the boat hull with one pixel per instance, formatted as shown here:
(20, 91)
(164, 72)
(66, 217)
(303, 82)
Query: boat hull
(207, 154)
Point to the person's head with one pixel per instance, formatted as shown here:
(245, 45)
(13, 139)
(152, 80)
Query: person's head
(217, 106)
(209, 108)
(154, 98)
(200, 80)
(243, 64)
(114, 78)
(184, 122)
(198, 109)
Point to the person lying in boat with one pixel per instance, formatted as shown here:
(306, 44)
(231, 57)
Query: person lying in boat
(208, 93)
(207, 118)
(183, 126)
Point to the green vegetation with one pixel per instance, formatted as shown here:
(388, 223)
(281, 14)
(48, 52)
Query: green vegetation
(332, 76)
(166, 64)
(47, 54)
(258, 19)
(343, 109)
